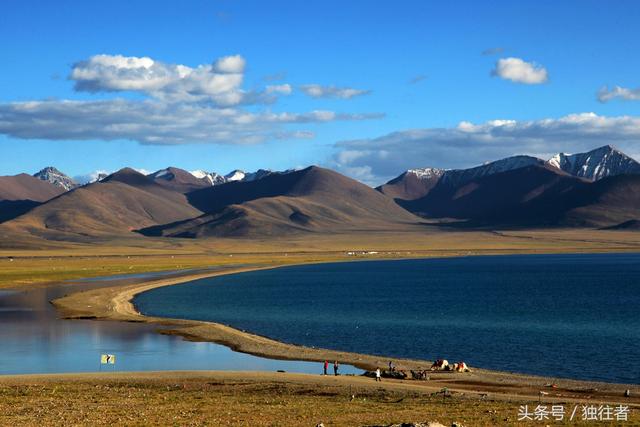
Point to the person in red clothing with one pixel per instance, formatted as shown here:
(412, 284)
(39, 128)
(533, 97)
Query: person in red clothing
(326, 366)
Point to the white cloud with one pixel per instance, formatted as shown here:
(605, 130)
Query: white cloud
(230, 64)
(605, 95)
(471, 144)
(520, 71)
(153, 122)
(319, 91)
(219, 83)
(284, 89)
(205, 104)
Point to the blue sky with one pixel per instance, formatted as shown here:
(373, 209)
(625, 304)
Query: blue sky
(420, 67)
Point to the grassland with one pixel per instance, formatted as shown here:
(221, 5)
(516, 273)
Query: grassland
(250, 399)
(36, 263)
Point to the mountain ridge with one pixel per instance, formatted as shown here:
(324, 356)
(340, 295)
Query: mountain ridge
(593, 165)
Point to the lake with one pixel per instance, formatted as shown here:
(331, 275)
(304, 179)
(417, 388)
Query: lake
(570, 316)
(35, 340)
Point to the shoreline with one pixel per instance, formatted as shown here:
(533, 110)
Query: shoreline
(116, 303)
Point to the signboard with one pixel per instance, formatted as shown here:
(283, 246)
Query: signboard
(108, 359)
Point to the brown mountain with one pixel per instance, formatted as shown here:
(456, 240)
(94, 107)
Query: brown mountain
(124, 201)
(536, 195)
(412, 184)
(520, 196)
(179, 180)
(416, 183)
(310, 200)
(19, 193)
(611, 201)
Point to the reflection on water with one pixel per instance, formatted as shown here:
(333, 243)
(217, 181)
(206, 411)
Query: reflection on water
(35, 340)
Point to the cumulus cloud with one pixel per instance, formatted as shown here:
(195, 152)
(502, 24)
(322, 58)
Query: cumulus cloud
(230, 64)
(152, 122)
(605, 94)
(319, 91)
(470, 144)
(182, 105)
(219, 82)
(520, 71)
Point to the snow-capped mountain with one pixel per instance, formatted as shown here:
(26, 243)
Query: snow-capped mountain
(412, 184)
(259, 174)
(213, 177)
(416, 183)
(458, 177)
(235, 175)
(57, 178)
(596, 164)
(426, 173)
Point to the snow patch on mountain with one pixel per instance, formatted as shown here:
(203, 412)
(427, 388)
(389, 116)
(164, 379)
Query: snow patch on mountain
(212, 178)
(426, 173)
(236, 175)
(199, 174)
(596, 164)
(57, 178)
(458, 177)
(160, 173)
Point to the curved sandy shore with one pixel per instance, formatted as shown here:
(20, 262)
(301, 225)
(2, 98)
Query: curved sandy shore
(115, 303)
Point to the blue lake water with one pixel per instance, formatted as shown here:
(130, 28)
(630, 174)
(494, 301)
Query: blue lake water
(574, 316)
(35, 340)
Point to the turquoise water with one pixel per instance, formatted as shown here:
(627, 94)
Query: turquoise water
(556, 315)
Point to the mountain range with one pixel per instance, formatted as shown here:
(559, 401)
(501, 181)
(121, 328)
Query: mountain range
(600, 189)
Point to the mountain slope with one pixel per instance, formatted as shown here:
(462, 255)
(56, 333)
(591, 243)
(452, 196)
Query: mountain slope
(57, 178)
(417, 183)
(537, 195)
(212, 177)
(310, 200)
(26, 187)
(531, 194)
(20, 193)
(611, 201)
(596, 164)
(412, 184)
(179, 180)
(122, 202)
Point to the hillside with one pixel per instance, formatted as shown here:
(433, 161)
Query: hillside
(310, 200)
(20, 193)
(122, 202)
(179, 180)
(531, 194)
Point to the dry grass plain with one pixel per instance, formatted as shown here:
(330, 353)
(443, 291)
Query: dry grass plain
(249, 399)
(37, 262)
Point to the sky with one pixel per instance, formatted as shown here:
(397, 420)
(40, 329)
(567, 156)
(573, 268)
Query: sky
(369, 89)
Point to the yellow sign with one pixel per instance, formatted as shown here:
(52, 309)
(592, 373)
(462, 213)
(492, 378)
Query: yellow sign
(108, 359)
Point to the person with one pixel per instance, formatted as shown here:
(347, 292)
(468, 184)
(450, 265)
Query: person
(378, 375)
(326, 366)
(335, 368)
(392, 367)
